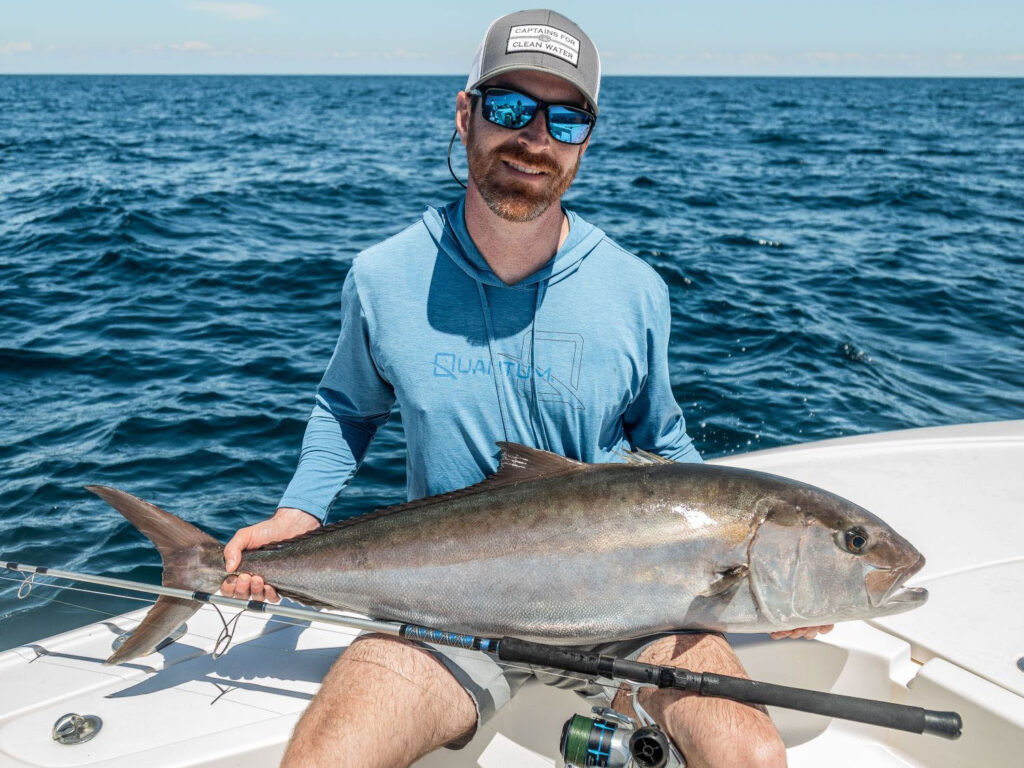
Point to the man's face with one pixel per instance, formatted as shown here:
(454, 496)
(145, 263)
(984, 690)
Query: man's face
(521, 173)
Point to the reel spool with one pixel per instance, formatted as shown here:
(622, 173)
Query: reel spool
(612, 740)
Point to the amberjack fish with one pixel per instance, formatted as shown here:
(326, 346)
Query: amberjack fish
(563, 552)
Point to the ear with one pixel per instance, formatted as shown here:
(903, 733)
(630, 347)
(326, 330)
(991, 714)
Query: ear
(463, 113)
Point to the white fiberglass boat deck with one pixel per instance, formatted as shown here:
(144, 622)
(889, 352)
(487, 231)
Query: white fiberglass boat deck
(956, 492)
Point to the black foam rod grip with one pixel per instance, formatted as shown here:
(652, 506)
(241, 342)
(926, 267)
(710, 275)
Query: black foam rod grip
(882, 713)
(569, 659)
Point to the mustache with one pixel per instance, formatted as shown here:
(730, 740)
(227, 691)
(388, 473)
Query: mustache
(517, 154)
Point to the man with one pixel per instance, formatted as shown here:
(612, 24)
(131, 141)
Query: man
(499, 317)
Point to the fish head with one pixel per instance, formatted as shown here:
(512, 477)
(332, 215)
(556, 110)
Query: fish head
(816, 558)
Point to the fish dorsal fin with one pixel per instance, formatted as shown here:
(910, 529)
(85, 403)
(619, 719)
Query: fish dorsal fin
(518, 464)
(640, 456)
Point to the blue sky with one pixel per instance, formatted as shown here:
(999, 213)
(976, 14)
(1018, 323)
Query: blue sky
(742, 37)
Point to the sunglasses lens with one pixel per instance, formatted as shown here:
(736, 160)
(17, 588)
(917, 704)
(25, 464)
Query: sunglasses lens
(511, 109)
(508, 108)
(569, 125)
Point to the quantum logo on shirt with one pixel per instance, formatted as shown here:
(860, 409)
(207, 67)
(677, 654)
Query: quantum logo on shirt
(556, 382)
(451, 366)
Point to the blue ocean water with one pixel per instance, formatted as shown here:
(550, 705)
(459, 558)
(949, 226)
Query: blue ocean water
(844, 256)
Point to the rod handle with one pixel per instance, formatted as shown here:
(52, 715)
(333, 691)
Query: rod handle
(585, 662)
(882, 713)
(949, 725)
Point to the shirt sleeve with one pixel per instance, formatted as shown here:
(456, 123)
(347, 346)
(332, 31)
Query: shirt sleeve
(352, 402)
(654, 421)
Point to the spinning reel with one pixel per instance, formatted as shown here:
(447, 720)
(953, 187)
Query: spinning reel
(612, 740)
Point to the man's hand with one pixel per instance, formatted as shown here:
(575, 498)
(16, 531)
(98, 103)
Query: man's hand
(286, 523)
(809, 632)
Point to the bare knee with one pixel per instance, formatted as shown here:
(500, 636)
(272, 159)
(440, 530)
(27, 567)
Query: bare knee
(767, 752)
(432, 689)
(717, 733)
(712, 733)
(384, 702)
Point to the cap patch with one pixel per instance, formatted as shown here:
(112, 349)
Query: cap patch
(542, 38)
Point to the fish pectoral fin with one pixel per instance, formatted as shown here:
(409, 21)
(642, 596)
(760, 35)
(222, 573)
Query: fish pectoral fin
(299, 597)
(727, 581)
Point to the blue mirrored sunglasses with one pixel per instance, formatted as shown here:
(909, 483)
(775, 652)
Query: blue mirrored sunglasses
(515, 110)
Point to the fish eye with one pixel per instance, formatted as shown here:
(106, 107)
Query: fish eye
(855, 541)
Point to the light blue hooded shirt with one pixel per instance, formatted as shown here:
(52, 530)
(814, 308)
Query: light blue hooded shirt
(572, 359)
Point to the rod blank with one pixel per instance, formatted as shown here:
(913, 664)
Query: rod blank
(258, 606)
(882, 713)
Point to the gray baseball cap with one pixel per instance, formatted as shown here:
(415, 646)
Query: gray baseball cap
(541, 40)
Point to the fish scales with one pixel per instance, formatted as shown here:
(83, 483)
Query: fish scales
(585, 557)
(558, 551)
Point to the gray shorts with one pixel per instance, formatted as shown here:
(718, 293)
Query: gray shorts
(492, 684)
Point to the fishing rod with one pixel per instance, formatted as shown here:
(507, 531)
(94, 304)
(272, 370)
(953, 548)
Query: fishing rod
(510, 649)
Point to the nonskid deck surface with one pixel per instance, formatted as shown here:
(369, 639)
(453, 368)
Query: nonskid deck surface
(953, 491)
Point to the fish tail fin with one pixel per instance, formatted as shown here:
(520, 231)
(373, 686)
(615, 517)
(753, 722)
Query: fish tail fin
(192, 560)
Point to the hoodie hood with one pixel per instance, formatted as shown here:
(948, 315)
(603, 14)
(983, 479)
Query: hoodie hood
(447, 226)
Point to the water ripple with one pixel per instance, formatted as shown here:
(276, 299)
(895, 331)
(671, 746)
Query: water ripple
(843, 256)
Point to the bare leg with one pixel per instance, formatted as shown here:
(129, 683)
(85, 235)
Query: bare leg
(710, 732)
(385, 702)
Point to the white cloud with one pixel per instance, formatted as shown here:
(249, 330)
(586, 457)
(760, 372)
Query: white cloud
(234, 11)
(760, 59)
(191, 45)
(9, 49)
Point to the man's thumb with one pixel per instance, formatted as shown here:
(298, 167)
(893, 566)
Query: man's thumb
(233, 553)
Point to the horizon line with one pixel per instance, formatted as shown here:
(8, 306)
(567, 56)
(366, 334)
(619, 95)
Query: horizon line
(830, 76)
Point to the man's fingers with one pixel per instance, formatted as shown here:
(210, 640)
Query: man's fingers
(243, 586)
(256, 588)
(227, 587)
(246, 586)
(263, 591)
(806, 632)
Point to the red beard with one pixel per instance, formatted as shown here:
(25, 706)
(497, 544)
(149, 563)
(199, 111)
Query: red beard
(509, 198)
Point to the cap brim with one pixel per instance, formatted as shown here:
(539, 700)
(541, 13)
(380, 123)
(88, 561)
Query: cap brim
(591, 102)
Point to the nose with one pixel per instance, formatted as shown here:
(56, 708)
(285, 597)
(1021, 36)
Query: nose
(536, 134)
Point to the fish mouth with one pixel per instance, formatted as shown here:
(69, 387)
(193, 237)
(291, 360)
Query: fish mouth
(906, 598)
(897, 597)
